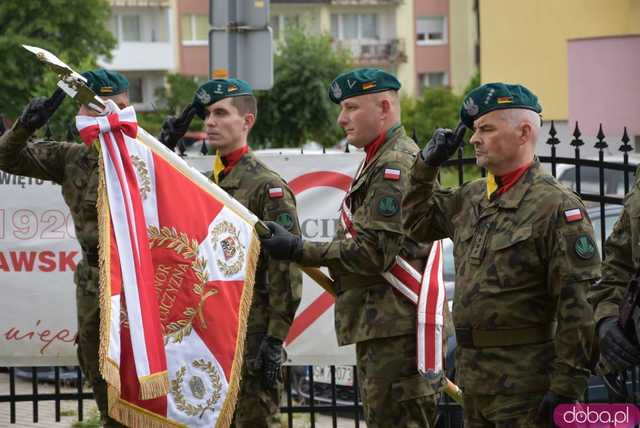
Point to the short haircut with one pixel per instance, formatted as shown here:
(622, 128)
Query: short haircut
(245, 104)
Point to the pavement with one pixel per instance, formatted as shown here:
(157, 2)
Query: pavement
(69, 410)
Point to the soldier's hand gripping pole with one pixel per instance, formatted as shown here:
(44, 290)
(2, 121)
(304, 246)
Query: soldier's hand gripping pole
(316, 274)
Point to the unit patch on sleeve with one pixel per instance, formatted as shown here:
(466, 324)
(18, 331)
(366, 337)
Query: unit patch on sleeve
(285, 220)
(584, 247)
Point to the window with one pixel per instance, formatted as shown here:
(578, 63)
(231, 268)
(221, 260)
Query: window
(135, 90)
(131, 28)
(434, 79)
(350, 26)
(431, 31)
(195, 29)
(280, 24)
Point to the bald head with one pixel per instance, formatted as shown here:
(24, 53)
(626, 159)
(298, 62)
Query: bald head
(518, 118)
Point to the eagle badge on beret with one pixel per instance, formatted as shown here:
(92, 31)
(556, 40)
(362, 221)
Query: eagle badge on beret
(203, 96)
(337, 92)
(471, 107)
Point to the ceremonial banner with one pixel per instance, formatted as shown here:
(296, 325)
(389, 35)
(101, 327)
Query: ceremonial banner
(177, 260)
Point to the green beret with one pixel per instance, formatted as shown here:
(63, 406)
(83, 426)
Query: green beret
(496, 96)
(219, 89)
(361, 81)
(106, 83)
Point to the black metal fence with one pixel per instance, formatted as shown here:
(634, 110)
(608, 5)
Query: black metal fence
(602, 184)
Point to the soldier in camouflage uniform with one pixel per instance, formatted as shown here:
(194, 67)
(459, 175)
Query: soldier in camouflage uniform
(228, 108)
(525, 258)
(75, 167)
(621, 263)
(368, 312)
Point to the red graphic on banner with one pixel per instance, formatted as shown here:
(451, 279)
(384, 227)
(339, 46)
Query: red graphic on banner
(324, 301)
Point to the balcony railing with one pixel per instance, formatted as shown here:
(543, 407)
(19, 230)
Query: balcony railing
(138, 56)
(367, 52)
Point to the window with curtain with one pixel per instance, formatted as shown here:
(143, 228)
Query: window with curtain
(431, 30)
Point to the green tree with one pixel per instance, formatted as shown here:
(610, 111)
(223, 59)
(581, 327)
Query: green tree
(297, 108)
(74, 30)
(436, 108)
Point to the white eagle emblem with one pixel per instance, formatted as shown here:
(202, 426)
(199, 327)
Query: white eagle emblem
(203, 96)
(470, 107)
(335, 89)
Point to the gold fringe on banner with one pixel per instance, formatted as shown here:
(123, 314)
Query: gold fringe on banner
(228, 408)
(136, 417)
(154, 385)
(108, 368)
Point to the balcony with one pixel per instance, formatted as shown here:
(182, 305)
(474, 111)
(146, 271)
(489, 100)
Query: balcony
(139, 56)
(376, 52)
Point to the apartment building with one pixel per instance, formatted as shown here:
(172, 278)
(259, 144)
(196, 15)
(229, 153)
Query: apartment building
(446, 47)
(379, 33)
(146, 46)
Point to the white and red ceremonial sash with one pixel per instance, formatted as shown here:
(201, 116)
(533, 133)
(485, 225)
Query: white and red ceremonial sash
(203, 253)
(426, 290)
(130, 231)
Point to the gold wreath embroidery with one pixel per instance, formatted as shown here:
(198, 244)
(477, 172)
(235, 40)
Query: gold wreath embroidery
(197, 388)
(143, 173)
(182, 245)
(228, 269)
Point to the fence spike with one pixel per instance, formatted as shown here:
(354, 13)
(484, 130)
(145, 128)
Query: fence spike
(600, 144)
(576, 142)
(552, 140)
(625, 147)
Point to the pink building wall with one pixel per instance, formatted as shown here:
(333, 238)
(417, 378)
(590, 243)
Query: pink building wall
(432, 58)
(604, 85)
(194, 60)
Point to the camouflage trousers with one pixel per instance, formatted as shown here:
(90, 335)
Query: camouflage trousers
(88, 306)
(392, 391)
(257, 406)
(502, 411)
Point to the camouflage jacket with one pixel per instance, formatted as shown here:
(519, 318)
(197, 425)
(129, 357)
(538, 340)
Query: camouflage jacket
(367, 306)
(523, 260)
(72, 165)
(622, 258)
(278, 286)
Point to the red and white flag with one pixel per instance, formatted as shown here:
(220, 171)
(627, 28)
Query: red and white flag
(177, 264)
(427, 291)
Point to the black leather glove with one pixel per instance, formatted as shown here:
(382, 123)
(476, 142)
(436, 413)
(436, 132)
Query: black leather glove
(174, 128)
(282, 244)
(40, 110)
(544, 415)
(269, 360)
(442, 145)
(618, 352)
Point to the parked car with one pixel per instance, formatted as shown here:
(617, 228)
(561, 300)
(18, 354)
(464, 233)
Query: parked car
(590, 177)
